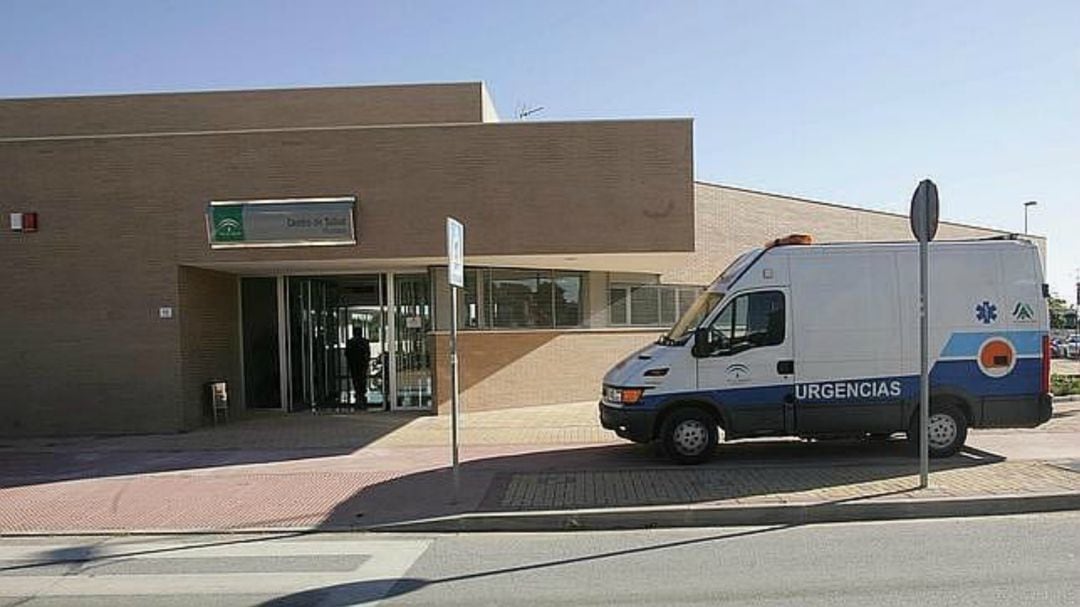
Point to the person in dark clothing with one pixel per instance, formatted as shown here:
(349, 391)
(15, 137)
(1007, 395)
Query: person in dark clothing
(358, 357)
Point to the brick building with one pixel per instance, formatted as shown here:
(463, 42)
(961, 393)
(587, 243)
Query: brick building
(245, 235)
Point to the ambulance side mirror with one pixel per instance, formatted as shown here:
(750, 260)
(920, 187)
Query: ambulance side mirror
(702, 343)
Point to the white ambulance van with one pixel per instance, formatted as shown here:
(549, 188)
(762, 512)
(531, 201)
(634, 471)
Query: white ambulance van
(821, 341)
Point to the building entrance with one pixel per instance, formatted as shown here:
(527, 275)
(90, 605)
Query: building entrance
(392, 311)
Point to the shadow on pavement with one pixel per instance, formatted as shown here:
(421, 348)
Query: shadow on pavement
(1064, 413)
(352, 593)
(627, 475)
(257, 440)
(81, 558)
(371, 590)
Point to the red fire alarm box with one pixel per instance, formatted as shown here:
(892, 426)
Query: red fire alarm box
(24, 222)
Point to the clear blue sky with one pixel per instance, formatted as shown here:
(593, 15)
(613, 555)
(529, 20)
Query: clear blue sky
(845, 101)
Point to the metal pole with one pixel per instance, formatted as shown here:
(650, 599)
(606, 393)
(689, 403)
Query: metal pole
(924, 374)
(454, 391)
(1025, 219)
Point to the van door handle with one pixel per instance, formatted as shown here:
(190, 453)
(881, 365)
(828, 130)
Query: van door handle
(785, 367)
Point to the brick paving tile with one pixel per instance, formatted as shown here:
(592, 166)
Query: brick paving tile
(180, 501)
(563, 424)
(312, 470)
(674, 486)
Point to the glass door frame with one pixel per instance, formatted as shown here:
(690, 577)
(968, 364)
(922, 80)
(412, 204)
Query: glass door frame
(387, 284)
(391, 339)
(397, 403)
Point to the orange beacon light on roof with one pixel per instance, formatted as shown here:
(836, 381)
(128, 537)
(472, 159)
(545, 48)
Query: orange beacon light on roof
(790, 239)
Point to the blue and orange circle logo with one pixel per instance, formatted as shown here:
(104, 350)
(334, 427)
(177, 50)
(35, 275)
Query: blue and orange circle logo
(997, 357)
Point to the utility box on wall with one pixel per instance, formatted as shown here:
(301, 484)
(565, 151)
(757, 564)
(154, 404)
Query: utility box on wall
(24, 222)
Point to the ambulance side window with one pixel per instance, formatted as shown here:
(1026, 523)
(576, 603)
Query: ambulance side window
(749, 321)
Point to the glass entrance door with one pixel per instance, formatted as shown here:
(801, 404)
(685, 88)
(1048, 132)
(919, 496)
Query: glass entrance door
(362, 312)
(314, 344)
(411, 350)
(393, 312)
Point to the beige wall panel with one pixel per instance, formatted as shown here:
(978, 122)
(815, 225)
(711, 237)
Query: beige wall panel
(732, 220)
(209, 340)
(522, 368)
(552, 188)
(231, 110)
(524, 189)
(83, 350)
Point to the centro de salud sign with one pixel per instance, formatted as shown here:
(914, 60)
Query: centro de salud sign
(290, 222)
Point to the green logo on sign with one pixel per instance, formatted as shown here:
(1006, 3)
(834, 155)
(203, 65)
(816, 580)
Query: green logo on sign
(228, 223)
(1022, 311)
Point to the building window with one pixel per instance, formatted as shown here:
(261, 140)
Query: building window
(526, 299)
(617, 306)
(648, 305)
(667, 306)
(508, 298)
(469, 310)
(687, 296)
(645, 305)
(566, 296)
(514, 299)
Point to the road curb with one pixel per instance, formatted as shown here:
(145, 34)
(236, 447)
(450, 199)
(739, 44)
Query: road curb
(607, 519)
(603, 519)
(167, 532)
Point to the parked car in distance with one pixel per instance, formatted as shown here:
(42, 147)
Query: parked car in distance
(1057, 348)
(1072, 347)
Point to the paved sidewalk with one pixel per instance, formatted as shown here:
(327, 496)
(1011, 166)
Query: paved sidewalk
(556, 425)
(564, 424)
(773, 485)
(334, 472)
(1065, 366)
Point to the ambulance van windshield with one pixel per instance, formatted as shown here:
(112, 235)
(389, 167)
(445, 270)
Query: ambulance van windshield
(708, 300)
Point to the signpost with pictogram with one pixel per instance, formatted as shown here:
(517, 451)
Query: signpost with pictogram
(455, 273)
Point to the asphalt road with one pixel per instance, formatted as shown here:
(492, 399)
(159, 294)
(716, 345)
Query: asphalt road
(1030, 560)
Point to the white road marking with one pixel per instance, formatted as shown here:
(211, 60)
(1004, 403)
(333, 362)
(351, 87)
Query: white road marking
(210, 549)
(388, 561)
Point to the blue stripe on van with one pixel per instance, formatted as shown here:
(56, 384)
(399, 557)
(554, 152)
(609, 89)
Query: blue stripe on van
(960, 345)
(1024, 379)
(734, 397)
(965, 375)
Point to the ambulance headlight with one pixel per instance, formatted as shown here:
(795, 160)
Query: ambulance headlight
(622, 396)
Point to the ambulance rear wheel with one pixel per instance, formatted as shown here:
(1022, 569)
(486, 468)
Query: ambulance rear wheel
(689, 436)
(947, 430)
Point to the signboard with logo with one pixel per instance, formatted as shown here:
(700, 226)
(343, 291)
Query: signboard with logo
(455, 252)
(291, 222)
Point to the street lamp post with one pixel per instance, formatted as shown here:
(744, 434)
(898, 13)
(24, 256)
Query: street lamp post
(1027, 205)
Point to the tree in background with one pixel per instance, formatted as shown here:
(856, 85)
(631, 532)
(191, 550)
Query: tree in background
(1062, 315)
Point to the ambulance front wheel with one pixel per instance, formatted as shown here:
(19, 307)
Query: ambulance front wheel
(689, 436)
(947, 430)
